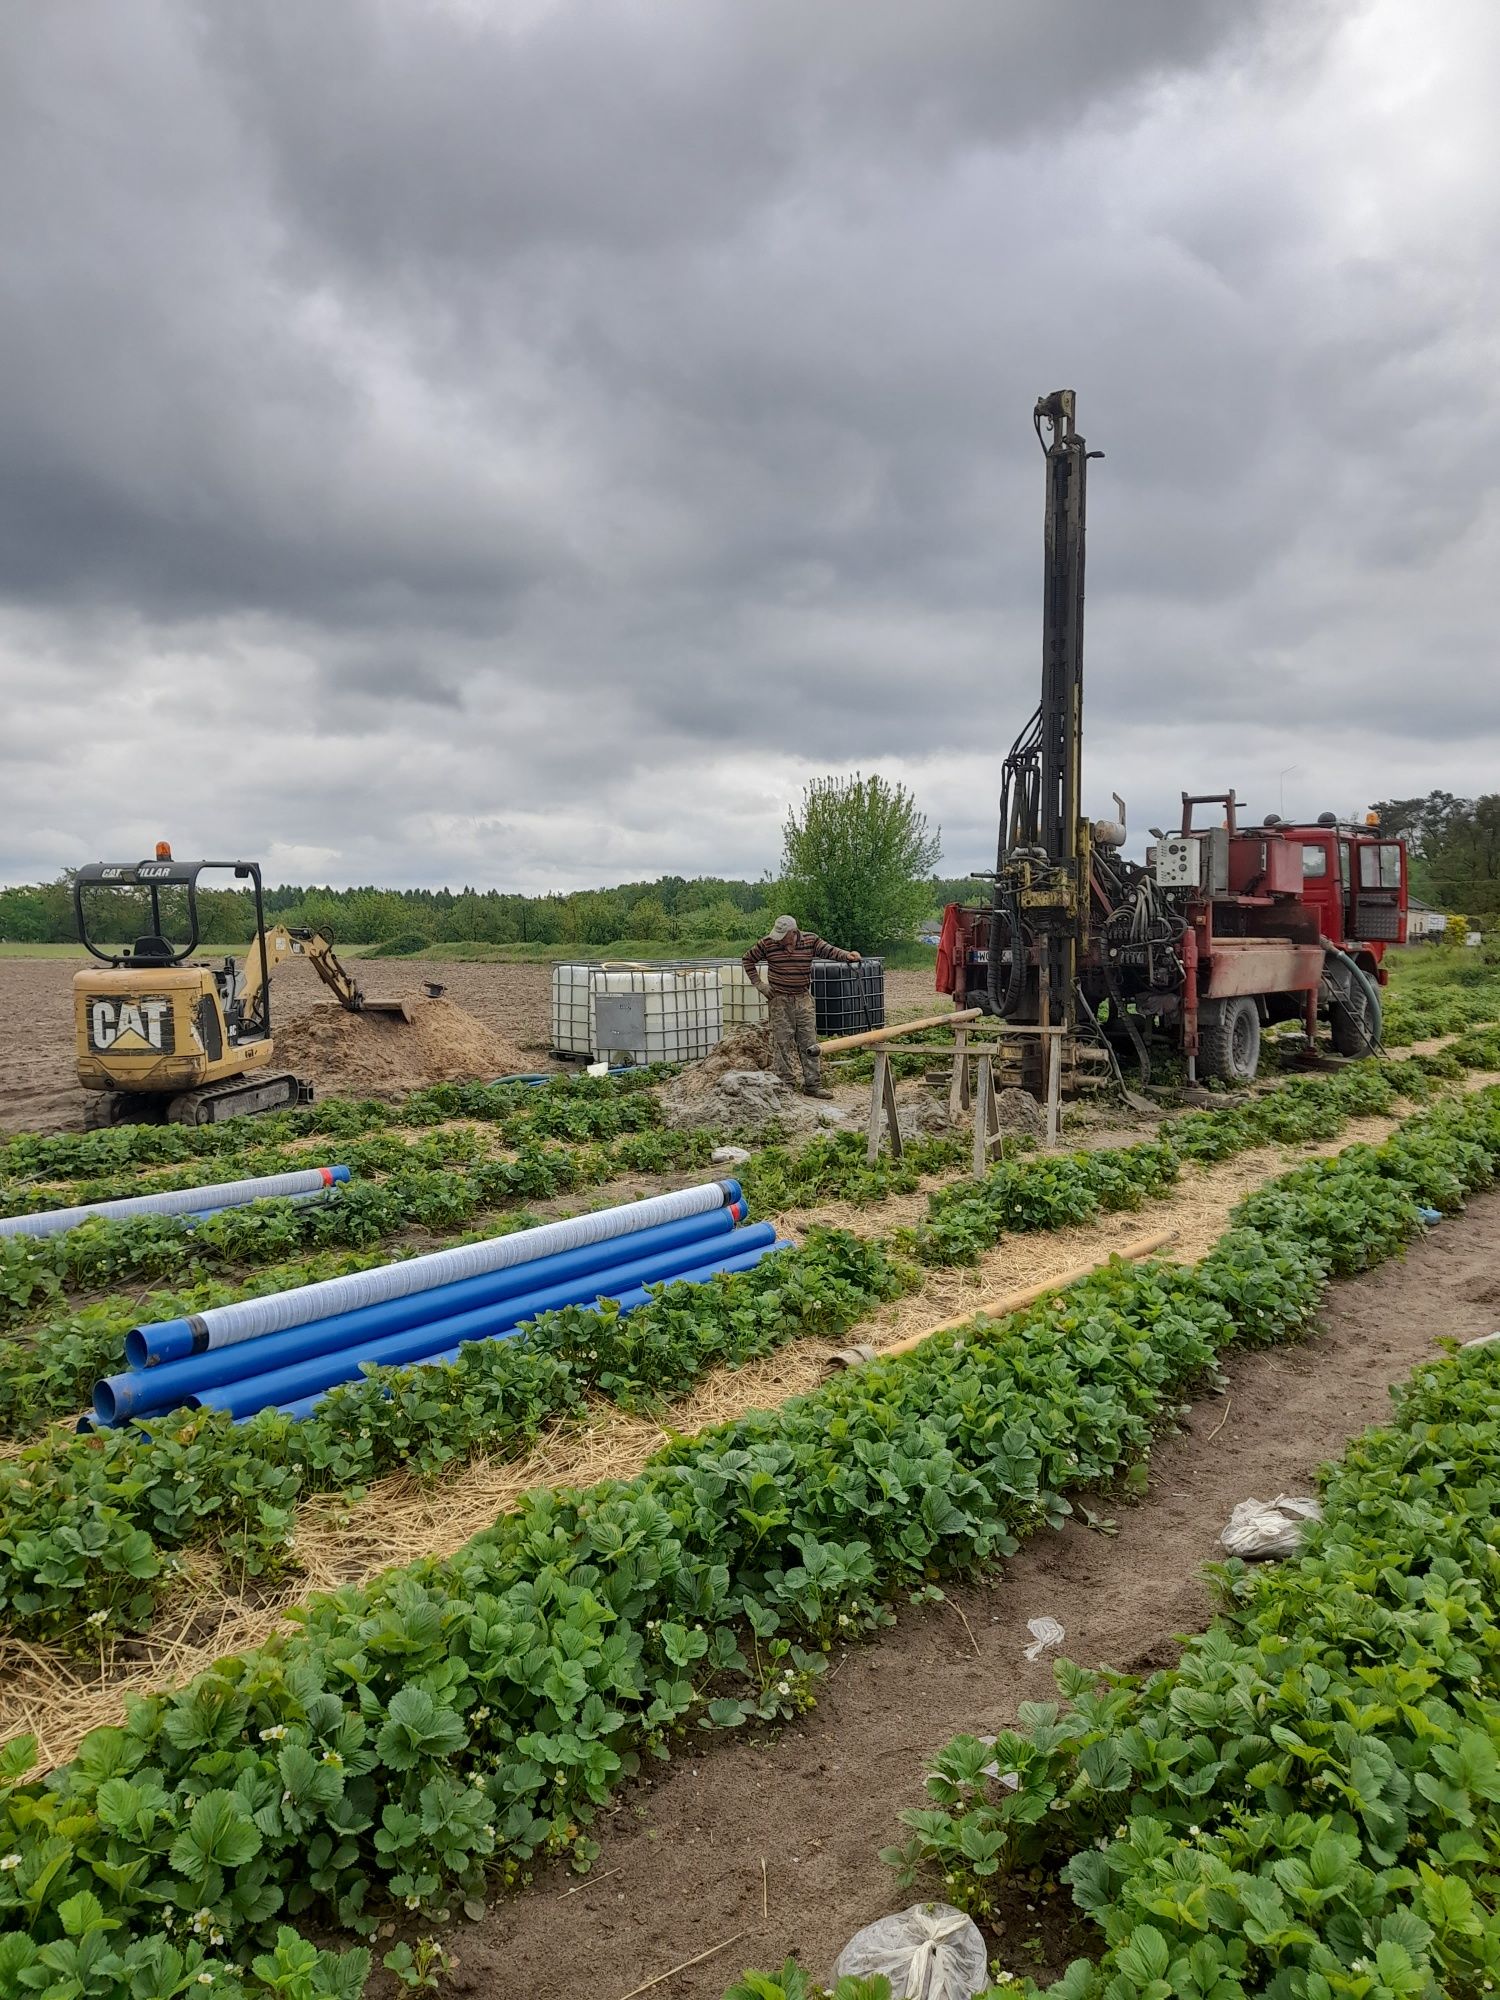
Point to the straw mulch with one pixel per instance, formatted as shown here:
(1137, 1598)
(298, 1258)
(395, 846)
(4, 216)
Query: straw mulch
(59, 1700)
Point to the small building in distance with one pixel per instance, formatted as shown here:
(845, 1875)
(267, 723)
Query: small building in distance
(1423, 921)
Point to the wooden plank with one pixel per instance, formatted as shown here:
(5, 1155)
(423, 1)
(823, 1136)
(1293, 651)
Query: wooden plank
(958, 1090)
(1054, 1092)
(872, 1036)
(882, 1111)
(1013, 1301)
(984, 1098)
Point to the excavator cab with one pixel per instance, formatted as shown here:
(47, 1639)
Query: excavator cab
(160, 1035)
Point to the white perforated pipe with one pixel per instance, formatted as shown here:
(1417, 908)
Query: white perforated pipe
(175, 1201)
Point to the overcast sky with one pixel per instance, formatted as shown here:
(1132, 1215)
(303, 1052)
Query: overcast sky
(519, 442)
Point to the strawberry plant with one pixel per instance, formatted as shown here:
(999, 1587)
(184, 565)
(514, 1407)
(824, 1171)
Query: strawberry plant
(404, 1737)
(1309, 1802)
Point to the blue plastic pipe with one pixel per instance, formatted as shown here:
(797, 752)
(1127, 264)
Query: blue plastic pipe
(176, 1201)
(166, 1386)
(249, 1319)
(419, 1343)
(627, 1302)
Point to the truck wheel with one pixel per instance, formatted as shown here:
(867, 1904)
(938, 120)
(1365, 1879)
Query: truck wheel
(1354, 1023)
(1229, 1043)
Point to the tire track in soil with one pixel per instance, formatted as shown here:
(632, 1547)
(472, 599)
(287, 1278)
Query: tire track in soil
(683, 1856)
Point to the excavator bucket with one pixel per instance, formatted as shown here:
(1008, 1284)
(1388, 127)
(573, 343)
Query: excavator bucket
(400, 1007)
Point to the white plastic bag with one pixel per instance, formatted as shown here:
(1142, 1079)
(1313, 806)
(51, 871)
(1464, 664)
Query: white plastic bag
(1259, 1529)
(929, 1952)
(1045, 1634)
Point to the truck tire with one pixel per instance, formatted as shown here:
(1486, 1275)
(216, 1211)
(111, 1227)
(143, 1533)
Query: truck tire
(1229, 1042)
(1354, 1023)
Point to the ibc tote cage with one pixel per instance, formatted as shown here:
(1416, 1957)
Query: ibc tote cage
(692, 1016)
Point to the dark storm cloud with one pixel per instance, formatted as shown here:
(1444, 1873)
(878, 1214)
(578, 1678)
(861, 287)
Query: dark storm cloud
(523, 441)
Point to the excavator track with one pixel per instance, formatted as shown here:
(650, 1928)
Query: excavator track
(240, 1097)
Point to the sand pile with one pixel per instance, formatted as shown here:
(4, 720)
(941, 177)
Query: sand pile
(380, 1055)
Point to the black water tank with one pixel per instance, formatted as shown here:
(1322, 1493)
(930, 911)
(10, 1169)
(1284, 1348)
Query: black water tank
(848, 999)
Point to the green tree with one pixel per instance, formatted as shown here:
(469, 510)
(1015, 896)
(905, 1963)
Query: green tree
(647, 919)
(855, 861)
(1453, 846)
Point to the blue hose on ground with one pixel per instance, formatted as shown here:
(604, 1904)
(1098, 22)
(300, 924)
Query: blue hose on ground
(176, 1201)
(403, 1350)
(626, 1301)
(169, 1383)
(248, 1319)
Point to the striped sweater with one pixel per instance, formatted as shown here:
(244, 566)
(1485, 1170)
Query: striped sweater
(788, 960)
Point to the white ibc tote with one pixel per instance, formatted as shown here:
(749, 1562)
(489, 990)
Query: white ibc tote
(570, 1010)
(656, 1014)
(745, 1006)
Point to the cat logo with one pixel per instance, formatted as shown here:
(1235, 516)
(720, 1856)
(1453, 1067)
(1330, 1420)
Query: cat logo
(132, 1027)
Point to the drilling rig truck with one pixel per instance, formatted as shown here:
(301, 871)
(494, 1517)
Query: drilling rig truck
(1223, 930)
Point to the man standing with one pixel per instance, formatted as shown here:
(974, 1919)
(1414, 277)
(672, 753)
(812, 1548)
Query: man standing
(787, 954)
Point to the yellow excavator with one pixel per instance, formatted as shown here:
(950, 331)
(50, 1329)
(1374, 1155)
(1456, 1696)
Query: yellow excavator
(163, 1038)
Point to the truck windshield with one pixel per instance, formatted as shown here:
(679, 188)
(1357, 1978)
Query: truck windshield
(1314, 863)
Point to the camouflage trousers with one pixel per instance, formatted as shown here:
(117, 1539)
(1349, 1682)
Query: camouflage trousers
(794, 1030)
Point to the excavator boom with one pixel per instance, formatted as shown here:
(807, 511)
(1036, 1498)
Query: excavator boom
(319, 952)
(325, 961)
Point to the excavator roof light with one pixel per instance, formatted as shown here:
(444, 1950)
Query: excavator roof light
(164, 850)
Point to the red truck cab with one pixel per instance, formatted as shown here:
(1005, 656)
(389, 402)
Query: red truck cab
(1354, 877)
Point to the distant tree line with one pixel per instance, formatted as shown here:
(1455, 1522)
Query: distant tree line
(670, 910)
(1453, 850)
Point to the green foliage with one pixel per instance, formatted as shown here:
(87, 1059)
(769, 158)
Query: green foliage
(856, 857)
(79, 1507)
(88, 1523)
(405, 944)
(370, 916)
(1454, 847)
(406, 1736)
(1309, 1803)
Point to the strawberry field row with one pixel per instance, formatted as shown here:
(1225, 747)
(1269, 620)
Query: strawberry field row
(566, 1107)
(45, 1173)
(1309, 1802)
(48, 1365)
(408, 1737)
(89, 1522)
(34, 1269)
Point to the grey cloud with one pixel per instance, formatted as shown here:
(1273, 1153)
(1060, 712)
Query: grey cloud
(542, 434)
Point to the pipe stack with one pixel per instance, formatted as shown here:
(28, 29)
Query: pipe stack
(288, 1349)
(307, 1184)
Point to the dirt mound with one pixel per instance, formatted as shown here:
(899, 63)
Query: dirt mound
(380, 1055)
(745, 1100)
(750, 1049)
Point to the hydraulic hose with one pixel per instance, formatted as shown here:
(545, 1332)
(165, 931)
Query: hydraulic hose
(196, 1202)
(1365, 983)
(248, 1319)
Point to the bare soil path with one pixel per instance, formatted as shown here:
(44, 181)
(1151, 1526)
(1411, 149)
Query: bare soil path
(681, 1866)
(39, 1090)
